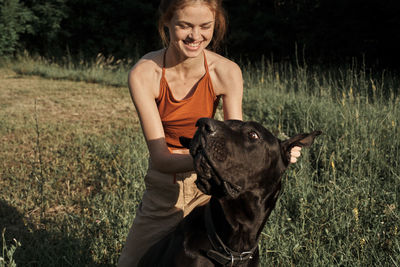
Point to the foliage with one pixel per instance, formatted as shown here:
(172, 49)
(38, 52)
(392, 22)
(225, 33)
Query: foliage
(326, 31)
(45, 24)
(14, 20)
(118, 28)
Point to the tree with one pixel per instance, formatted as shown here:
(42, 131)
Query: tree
(14, 20)
(47, 16)
(117, 28)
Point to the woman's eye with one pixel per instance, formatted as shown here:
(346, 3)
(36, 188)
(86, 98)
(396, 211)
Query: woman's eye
(253, 136)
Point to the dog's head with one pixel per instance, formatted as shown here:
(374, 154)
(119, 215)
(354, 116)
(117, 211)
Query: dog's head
(234, 156)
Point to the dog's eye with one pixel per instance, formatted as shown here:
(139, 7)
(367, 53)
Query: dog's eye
(253, 136)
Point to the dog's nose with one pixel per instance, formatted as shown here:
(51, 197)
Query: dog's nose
(207, 124)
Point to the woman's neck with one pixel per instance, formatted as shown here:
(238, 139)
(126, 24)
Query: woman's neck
(182, 65)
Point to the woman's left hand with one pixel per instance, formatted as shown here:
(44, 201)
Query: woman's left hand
(294, 154)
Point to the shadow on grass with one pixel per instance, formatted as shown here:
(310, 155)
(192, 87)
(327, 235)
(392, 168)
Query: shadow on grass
(40, 247)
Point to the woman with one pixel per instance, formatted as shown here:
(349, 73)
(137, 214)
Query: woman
(171, 89)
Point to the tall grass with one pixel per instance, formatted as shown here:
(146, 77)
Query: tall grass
(339, 206)
(104, 70)
(7, 253)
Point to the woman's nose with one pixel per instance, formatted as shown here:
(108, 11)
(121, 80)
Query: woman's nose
(195, 33)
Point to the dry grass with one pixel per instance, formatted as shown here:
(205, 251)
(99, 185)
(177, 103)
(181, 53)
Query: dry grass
(86, 104)
(49, 162)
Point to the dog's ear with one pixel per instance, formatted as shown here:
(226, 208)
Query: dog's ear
(301, 140)
(185, 141)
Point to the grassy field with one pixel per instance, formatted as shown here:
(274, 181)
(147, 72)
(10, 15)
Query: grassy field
(72, 160)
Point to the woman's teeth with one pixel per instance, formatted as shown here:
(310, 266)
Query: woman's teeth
(193, 44)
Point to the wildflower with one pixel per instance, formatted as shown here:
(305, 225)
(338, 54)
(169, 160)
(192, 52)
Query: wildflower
(343, 98)
(355, 213)
(362, 242)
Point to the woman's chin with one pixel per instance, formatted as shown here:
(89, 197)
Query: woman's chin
(189, 51)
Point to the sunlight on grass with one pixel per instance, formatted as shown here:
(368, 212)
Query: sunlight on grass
(102, 70)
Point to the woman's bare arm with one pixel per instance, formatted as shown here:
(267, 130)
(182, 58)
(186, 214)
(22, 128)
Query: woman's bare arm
(144, 88)
(228, 82)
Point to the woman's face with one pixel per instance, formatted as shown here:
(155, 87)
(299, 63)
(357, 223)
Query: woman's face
(191, 29)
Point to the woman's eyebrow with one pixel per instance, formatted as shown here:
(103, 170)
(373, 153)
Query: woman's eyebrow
(190, 24)
(206, 23)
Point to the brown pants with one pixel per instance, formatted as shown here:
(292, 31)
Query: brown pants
(166, 201)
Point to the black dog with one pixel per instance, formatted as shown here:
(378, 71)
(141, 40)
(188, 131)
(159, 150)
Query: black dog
(240, 165)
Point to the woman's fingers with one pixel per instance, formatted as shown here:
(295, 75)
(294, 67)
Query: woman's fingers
(294, 154)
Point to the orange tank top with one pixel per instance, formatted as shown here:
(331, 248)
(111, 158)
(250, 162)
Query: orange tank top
(179, 117)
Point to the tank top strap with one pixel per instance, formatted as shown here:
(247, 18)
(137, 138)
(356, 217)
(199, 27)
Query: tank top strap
(205, 62)
(163, 64)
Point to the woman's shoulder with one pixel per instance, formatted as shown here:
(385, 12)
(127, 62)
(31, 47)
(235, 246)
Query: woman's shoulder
(223, 71)
(150, 64)
(147, 71)
(219, 63)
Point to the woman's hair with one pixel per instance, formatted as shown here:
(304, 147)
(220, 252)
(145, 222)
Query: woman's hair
(167, 9)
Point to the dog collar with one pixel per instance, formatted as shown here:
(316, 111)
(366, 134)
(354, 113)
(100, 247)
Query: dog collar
(220, 252)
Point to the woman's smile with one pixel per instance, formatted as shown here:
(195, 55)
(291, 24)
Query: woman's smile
(192, 45)
(191, 29)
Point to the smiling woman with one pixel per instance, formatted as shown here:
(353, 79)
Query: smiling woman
(217, 25)
(171, 89)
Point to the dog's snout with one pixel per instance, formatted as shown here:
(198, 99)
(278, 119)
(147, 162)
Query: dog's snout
(207, 124)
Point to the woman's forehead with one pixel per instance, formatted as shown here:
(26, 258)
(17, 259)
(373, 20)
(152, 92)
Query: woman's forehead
(196, 12)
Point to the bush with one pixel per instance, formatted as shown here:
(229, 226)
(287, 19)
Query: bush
(14, 20)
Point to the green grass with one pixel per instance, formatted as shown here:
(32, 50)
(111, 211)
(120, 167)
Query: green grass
(340, 204)
(102, 70)
(73, 160)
